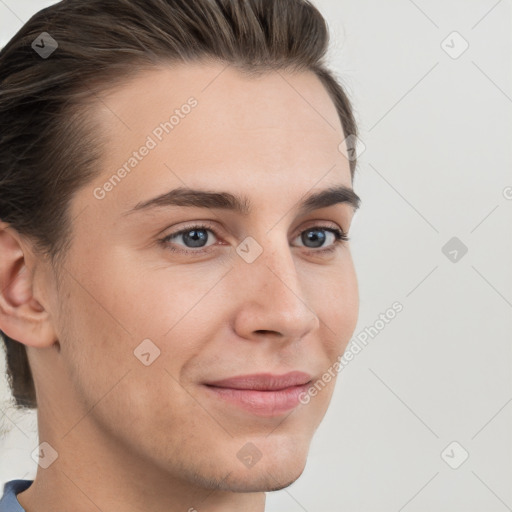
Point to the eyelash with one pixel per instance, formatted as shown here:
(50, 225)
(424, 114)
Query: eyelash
(340, 238)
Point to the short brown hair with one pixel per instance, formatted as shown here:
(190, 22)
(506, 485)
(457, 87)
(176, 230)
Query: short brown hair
(48, 149)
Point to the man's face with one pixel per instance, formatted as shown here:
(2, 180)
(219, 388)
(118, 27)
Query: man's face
(254, 294)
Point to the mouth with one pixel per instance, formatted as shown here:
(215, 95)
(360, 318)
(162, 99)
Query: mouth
(262, 394)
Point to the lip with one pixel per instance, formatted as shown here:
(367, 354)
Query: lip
(263, 394)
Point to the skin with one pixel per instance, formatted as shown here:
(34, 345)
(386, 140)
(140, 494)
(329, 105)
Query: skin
(133, 437)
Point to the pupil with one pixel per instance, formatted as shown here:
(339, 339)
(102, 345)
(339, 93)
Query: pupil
(199, 235)
(311, 236)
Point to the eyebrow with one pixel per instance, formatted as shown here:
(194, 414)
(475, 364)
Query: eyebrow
(183, 196)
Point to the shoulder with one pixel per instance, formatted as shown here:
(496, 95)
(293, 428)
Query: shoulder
(8, 501)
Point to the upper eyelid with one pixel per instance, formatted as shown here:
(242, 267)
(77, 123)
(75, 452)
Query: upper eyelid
(209, 226)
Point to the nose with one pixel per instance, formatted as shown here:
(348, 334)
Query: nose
(271, 298)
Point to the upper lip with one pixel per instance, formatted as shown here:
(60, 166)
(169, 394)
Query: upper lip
(263, 381)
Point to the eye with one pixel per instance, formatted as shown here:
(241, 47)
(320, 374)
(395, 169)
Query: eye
(193, 236)
(317, 236)
(195, 239)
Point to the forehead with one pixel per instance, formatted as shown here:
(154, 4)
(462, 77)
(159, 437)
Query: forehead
(231, 97)
(208, 123)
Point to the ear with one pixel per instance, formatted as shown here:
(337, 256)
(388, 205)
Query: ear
(22, 317)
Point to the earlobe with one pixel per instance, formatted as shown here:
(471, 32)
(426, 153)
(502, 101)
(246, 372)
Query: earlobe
(22, 317)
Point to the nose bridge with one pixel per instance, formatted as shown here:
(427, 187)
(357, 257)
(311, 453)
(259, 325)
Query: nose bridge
(279, 264)
(273, 289)
(276, 263)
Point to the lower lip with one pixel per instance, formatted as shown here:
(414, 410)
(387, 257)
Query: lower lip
(262, 403)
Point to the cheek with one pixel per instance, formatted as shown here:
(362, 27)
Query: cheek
(336, 303)
(349, 302)
(141, 297)
(99, 336)
(170, 312)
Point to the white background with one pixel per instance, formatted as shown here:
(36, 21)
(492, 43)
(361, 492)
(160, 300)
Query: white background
(437, 133)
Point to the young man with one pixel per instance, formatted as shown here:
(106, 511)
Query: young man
(176, 282)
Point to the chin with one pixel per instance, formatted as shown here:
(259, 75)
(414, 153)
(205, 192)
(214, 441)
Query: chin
(263, 479)
(282, 463)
